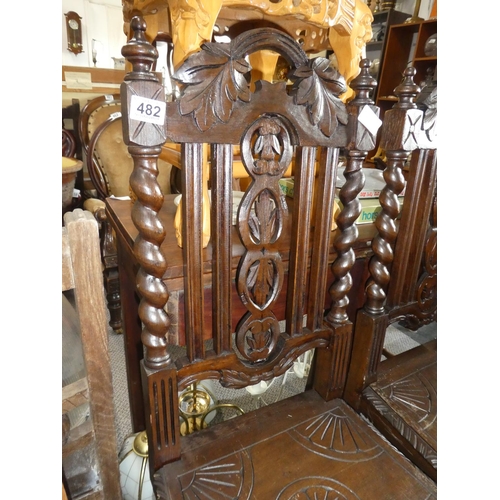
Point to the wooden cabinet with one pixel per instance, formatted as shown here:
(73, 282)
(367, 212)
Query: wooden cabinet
(375, 49)
(405, 45)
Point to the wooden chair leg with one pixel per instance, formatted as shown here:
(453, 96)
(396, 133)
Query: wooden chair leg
(111, 276)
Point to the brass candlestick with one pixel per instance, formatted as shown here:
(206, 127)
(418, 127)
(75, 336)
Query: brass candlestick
(416, 10)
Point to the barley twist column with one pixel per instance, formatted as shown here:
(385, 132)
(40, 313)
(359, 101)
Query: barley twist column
(399, 138)
(361, 140)
(141, 96)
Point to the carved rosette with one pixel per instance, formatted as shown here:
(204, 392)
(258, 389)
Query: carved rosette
(266, 153)
(323, 488)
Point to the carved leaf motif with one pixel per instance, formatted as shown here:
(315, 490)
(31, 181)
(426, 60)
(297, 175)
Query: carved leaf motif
(318, 87)
(214, 82)
(261, 281)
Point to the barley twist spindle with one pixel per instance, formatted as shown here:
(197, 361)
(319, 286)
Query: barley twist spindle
(361, 141)
(144, 140)
(398, 148)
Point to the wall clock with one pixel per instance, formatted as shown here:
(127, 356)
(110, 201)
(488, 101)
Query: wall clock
(74, 32)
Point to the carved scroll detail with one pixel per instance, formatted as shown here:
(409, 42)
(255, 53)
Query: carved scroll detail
(214, 80)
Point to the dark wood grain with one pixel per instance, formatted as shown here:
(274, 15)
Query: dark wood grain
(274, 256)
(402, 286)
(82, 273)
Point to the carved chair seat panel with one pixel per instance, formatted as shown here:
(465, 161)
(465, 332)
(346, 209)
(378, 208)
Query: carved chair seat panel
(256, 457)
(405, 394)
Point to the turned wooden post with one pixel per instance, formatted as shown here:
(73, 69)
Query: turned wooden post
(362, 129)
(402, 125)
(144, 132)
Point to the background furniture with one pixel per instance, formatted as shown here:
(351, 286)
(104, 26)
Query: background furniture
(343, 27)
(400, 395)
(268, 124)
(109, 165)
(376, 47)
(90, 455)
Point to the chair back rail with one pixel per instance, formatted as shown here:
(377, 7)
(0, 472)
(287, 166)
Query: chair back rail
(272, 127)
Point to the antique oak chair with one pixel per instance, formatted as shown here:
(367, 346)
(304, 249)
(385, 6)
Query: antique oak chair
(90, 455)
(312, 443)
(109, 166)
(399, 395)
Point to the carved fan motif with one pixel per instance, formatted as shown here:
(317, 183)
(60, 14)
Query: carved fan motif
(230, 477)
(317, 488)
(334, 435)
(417, 394)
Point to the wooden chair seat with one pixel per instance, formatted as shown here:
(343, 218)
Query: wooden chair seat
(403, 400)
(301, 447)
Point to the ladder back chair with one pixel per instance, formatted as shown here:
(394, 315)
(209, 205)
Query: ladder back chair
(399, 395)
(89, 453)
(314, 442)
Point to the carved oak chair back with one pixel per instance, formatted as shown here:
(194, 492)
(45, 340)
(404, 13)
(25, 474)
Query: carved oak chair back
(278, 252)
(400, 394)
(89, 453)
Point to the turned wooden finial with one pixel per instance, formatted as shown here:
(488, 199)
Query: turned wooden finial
(364, 83)
(407, 90)
(139, 52)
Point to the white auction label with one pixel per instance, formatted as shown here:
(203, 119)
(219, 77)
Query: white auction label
(147, 110)
(369, 119)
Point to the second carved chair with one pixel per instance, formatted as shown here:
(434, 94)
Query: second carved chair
(263, 281)
(399, 395)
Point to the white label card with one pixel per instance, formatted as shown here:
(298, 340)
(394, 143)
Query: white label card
(147, 110)
(369, 119)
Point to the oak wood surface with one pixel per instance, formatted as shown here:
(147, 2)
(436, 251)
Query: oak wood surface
(256, 457)
(82, 269)
(313, 445)
(400, 395)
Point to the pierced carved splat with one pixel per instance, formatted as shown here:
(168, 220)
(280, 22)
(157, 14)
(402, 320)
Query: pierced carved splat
(266, 152)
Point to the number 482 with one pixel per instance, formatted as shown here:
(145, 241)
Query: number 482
(149, 110)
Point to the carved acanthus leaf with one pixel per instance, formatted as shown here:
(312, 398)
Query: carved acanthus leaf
(318, 86)
(214, 81)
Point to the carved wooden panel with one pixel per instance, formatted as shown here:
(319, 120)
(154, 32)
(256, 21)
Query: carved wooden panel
(312, 450)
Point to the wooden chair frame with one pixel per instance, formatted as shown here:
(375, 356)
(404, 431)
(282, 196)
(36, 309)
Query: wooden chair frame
(274, 122)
